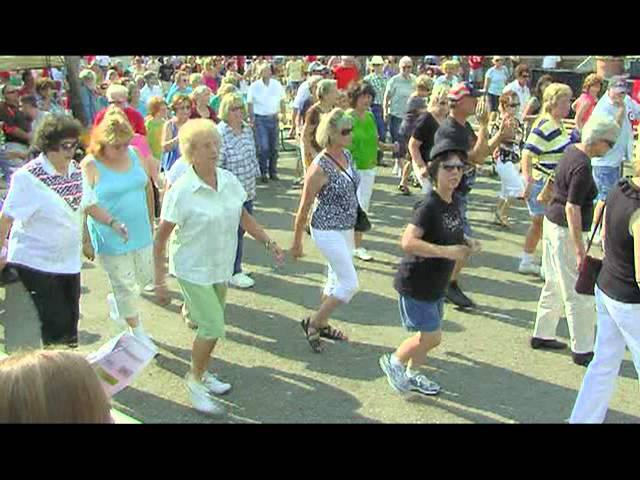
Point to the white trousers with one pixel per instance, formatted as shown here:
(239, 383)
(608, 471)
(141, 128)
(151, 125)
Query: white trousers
(425, 182)
(512, 184)
(618, 325)
(558, 293)
(365, 187)
(337, 247)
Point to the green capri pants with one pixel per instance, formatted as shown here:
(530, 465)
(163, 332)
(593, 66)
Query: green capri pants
(205, 307)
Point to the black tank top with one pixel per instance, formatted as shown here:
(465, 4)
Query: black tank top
(618, 277)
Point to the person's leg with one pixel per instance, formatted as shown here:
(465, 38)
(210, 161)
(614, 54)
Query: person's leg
(72, 288)
(262, 144)
(406, 171)
(413, 351)
(121, 273)
(364, 193)
(273, 147)
(237, 264)
(550, 302)
(599, 381)
(22, 324)
(394, 130)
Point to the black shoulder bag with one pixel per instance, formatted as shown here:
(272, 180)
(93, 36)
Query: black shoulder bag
(362, 220)
(590, 268)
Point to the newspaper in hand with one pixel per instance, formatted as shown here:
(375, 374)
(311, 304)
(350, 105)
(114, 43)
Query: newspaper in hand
(120, 361)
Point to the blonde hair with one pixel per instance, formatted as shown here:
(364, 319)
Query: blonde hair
(229, 101)
(424, 82)
(113, 129)
(325, 86)
(450, 66)
(226, 88)
(47, 386)
(230, 78)
(200, 90)
(192, 129)
(439, 93)
(330, 126)
(195, 79)
(552, 94)
(154, 104)
(591, 80)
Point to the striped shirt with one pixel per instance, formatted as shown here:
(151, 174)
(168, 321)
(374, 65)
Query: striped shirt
(238, 155)
(379, 84)
(546, 142)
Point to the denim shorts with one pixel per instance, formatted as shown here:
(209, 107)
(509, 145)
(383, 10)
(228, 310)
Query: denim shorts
(420, 315)
(536, 209)
(605, 178)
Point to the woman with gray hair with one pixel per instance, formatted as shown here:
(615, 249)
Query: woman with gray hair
(200, 104)
(238, 155)
(567, 216)
(88, 96)
(206, 206)
(331, 183)
(327, 95)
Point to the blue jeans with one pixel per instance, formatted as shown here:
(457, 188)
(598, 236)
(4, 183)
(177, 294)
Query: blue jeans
(267, 143)
(394, 130)
(376, 109)
(237, 265)
(605, 178)
(536, 209)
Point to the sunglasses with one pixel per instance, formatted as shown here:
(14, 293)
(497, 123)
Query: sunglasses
(453, 166)
(68, 146)
(346, 131)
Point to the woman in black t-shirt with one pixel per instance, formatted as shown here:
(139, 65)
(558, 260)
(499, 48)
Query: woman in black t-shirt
(432, 242)
(567, 217)
(617, 301)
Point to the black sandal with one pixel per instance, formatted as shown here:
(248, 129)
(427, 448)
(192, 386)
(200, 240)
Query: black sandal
(332, 333)
(404, 190)
(312, 338)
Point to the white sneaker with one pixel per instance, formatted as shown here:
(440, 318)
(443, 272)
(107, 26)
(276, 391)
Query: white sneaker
(528, 267)
(362, 254)
(240, 280)
(114, 314)
(149, 288)
(214, 385)
(146, 340)
(201, 399)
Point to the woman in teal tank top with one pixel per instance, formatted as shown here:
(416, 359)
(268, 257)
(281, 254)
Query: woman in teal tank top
(119, 179)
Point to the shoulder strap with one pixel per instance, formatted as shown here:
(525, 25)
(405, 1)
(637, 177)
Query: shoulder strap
(341, 168)
(595, 229)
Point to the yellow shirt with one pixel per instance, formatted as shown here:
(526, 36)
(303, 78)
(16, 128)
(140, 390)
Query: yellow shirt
(295, 70)
(546, 144)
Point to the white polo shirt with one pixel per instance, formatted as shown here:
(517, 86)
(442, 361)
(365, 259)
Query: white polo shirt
(46, 233)
(203, 245)
(523, 92)
(265, 99)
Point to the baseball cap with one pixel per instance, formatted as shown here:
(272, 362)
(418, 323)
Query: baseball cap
(376, 60)
(463, 89)
(618, 83)
(317, 67)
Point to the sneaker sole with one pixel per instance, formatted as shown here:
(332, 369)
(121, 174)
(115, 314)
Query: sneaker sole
(424, 393)
(386, 372)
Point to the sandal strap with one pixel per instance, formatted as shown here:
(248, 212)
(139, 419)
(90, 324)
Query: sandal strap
(332, 333)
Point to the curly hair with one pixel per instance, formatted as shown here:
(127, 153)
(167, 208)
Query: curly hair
(113, 129)
(53, 129)
(360, 89)
(591, 80)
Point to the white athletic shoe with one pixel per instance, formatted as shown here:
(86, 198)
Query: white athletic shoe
(214, 385)
(240, 280)
(528, 267)
(362, 254)
(201, 399)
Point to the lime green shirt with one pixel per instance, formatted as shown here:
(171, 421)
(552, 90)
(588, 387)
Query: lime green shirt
(364, 141)
(154, 136)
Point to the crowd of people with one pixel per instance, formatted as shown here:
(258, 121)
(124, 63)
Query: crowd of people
(162, 163)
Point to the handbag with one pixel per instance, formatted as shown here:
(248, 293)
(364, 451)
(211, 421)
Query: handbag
(362, 220)
(590, 268)
(546, 194)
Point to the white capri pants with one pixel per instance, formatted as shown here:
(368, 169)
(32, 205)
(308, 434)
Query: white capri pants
(337, 247)
(512, 184)
(424, 181)
(618, 326)
(558, 292)
(365, 187)
(128, 274)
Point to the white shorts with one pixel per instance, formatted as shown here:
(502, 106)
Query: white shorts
(512, 183)
(424, 181)
(128, 275)
(365, 188)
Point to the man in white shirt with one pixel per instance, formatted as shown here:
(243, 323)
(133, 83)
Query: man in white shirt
(151, 88)
(520, 87)
(265, 98)
(551, 62)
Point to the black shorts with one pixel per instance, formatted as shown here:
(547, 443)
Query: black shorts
(493, 102)
(57, 300)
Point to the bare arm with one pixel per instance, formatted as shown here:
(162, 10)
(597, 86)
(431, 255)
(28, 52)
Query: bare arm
(580, 120)
(481, 149)
(313, 183)
(168, 141)
(413, 244)
(574, 222)
(159, 248)
(5, 225)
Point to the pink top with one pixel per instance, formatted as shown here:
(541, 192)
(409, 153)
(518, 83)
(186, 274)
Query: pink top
(140, 142)
(210, 82)
(590, 101)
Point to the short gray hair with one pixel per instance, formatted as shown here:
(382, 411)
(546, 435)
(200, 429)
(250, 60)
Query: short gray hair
(325, 86)
(405, 60)
(117, 90)
(87, 75)
(600, 127)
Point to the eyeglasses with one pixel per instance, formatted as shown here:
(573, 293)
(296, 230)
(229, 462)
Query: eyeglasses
(68, 146)
(514, 105)
(346, 131)
(610, 143)
(453, 166)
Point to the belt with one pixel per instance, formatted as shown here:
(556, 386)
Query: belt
(266, 116)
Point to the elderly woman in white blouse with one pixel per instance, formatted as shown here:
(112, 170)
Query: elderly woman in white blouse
(203, 209)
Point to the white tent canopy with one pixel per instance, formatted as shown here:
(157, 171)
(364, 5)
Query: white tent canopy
(17, 62)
